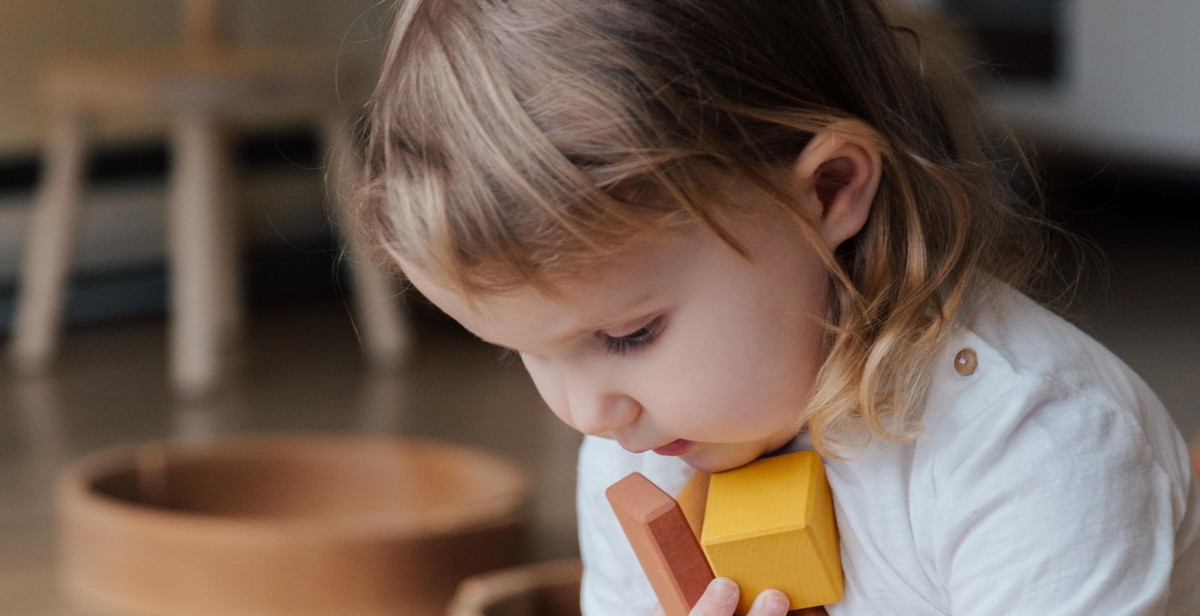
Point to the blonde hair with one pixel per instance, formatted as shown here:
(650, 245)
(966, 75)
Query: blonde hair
(514, 142)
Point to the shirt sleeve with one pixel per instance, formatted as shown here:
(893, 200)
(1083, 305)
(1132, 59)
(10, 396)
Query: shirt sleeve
(1058, 508)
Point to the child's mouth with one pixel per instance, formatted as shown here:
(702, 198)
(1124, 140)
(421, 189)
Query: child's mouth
(676, 447)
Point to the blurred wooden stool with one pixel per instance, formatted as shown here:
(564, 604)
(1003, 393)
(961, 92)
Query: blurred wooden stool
(542, 589)
(199, 88)
(1195, 451)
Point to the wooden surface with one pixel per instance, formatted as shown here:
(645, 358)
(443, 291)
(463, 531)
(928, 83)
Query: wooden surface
(693, 498)
(541, 589)
(204, 23)
(228, 79)
(663, 542)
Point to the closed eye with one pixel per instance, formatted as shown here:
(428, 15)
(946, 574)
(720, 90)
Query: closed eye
(636, 340)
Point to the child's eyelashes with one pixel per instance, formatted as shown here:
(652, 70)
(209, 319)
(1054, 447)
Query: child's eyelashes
(635, 340)
(621, 344)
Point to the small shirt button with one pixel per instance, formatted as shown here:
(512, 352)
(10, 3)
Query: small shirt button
(965, 362)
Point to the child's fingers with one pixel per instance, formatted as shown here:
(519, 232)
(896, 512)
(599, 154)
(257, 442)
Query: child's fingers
(769, 603)
(719, 599)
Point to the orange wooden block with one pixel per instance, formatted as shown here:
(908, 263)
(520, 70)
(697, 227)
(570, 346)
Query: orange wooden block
(693, 498)
(664, 543)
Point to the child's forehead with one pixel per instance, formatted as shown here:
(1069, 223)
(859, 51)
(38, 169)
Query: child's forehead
(624, 276)
(534, 317)
(643, 263)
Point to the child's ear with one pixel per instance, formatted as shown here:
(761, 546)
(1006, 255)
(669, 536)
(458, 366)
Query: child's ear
(839, 172)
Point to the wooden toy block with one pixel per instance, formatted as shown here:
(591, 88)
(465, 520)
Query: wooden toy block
(770, 524)
(664, 543)
(693, 498)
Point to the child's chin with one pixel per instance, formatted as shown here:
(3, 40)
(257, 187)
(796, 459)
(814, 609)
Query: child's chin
(717, 459)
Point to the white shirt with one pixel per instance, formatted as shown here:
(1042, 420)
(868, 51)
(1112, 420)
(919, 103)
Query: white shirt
(1050, 481)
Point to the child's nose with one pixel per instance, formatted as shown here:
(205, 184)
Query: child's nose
(598, 412)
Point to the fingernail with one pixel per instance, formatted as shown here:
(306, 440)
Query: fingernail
(724, 590)
(771, 602)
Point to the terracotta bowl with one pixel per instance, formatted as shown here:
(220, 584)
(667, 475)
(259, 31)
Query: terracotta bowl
(288, 526)
(543, 589)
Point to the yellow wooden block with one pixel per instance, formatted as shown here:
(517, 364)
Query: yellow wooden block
(770, 524)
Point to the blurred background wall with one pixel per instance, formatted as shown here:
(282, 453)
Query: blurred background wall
(1125, 78)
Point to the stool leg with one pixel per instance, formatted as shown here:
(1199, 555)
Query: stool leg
(50, 245)
(194, 226)
(229, 298)
(384, 334)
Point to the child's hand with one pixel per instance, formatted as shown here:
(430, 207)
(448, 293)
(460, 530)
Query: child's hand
(721, 599)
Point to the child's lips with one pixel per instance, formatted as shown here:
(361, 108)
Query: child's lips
(676, 447)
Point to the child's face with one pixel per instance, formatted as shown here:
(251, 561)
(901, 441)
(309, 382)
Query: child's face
(684, 347)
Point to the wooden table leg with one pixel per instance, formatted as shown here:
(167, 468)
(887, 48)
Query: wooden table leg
(50, 244)
(194, 210)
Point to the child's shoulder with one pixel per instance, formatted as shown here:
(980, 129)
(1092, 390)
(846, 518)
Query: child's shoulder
(1032, 341)
(1017, 371)
(1011, 345)
(1030, 427)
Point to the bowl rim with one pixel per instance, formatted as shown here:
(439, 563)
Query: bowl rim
(77, 497)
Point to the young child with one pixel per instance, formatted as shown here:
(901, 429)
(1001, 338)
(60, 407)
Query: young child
(718, 229)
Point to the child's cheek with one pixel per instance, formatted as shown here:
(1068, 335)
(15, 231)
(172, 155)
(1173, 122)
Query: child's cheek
(549, 388)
